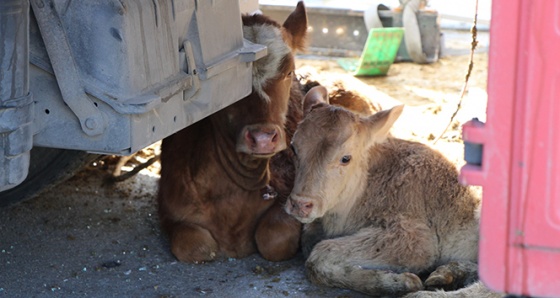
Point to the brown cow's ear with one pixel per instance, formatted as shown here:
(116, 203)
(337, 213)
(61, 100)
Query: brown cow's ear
(381, 122)
(296, 26)
(317, 95)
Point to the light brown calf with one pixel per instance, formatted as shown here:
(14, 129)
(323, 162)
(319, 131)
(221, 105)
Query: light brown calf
(379, 211)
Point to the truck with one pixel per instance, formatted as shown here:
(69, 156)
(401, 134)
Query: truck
(81, 78)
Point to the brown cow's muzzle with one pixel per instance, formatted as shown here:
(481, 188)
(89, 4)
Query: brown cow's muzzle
(262, 140)
(300, 208)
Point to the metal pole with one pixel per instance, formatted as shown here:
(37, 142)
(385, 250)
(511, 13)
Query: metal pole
(16, 103)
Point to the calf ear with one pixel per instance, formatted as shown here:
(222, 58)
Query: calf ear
(380, 123)
(296, 26)
(315, 96)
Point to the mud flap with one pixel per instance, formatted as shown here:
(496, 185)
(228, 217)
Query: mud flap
(16, 103)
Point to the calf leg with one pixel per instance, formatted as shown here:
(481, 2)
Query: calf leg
(277, 235)
(375, 261)
(452, 276)
(477, 289)
(193, 244)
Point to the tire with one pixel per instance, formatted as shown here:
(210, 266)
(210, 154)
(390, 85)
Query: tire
(48, 167)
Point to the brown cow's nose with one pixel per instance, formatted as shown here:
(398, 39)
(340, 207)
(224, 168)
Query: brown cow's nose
(262, 141)
(301, 207)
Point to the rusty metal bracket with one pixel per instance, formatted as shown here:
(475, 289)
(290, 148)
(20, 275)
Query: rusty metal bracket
(66, 72)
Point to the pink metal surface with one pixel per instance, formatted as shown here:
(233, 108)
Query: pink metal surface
(520, 172)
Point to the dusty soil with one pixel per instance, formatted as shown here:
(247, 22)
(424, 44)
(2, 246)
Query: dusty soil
(430, 92)
(88, 238)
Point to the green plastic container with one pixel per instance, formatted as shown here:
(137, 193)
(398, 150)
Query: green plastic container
(378, 54)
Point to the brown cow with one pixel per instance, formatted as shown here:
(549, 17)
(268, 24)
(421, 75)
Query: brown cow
(340, 95)
(215, 172)
(378, 210)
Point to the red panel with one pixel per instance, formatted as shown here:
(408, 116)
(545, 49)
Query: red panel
(496, 136)
(541, 133)
(520, 172)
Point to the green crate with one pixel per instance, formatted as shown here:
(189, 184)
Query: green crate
(378, 54)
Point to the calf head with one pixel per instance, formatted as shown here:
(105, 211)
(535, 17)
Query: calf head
(332, 147)
(256, 123)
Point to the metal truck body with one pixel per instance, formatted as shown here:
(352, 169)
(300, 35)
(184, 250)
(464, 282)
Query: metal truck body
(113, 76)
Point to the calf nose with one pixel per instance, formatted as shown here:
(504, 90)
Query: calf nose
(300, 207)
(262, 141)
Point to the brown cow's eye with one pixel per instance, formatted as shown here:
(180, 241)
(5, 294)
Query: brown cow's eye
(345, 159)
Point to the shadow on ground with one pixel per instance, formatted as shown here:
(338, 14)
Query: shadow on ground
(84, 238)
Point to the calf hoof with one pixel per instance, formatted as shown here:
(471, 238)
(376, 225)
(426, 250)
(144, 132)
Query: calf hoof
(439, 279)
(412, 282)
(193, 245)
(396, 284)
(452, 276)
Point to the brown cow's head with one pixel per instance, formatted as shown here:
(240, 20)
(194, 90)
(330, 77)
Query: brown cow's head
(332, 148)
(257, 122)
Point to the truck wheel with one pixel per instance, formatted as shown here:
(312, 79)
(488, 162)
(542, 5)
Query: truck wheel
(48, 167)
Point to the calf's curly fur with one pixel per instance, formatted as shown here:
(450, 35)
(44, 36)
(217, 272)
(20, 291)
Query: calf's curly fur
(379, 212)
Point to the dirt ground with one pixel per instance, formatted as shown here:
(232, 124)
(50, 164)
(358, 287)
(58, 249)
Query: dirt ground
(430, 93)
(87, 238)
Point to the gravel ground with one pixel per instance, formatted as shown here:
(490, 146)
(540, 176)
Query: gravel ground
(84, 238)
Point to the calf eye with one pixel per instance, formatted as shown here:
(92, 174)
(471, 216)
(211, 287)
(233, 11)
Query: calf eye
(293, 149)
(345, 159)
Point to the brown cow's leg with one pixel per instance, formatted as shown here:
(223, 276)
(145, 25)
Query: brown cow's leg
(277, 234)
(193, 244)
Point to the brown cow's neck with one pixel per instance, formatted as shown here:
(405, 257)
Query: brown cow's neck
(246, 171)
